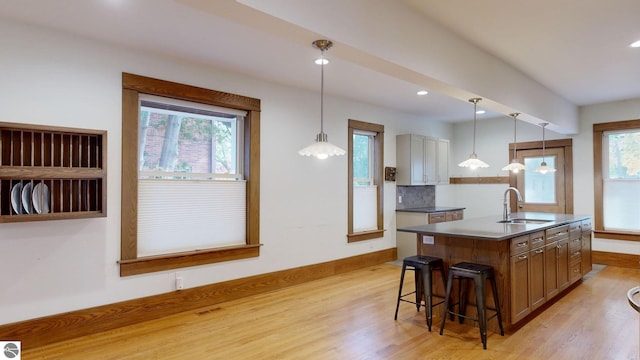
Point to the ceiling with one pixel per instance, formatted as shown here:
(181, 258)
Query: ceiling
(576, 49)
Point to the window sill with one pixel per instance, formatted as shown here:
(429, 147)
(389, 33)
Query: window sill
(365, 235)
(150, 264)
(616, 235)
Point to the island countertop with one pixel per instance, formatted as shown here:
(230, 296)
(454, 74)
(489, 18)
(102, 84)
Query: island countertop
(488, 227)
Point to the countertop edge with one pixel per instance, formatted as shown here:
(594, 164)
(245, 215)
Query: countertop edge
(526, 229)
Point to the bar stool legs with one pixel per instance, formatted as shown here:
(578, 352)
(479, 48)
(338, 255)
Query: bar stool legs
(479, 274)
(423, 266)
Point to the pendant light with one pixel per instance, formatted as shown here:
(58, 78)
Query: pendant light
(473, 162)
(514, 165)
(543, 168)
(321, 148)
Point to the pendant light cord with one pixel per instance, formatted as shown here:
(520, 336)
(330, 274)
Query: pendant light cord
(543, 126)
(475, 103)
(515, 124)
(322, 91)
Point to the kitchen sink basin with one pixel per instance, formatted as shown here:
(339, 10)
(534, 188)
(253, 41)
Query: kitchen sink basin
(523, 221)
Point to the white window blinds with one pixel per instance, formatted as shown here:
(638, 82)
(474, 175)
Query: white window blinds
(176, 215)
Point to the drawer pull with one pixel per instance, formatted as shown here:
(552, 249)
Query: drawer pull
(576, 240)
(576, 270)
(576, 253)
(522, 257)
(540, 251)
(522, 244)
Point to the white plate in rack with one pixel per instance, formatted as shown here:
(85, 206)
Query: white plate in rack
(40, 198)
(16, 201)
(26, 198)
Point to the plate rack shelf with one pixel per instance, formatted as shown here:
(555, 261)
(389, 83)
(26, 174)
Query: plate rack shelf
(51, 173)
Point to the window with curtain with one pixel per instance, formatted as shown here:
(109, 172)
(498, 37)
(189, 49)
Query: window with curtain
(365, 180)
(190, 176)
(617, 179)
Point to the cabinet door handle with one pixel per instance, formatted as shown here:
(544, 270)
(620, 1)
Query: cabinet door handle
(522, 257)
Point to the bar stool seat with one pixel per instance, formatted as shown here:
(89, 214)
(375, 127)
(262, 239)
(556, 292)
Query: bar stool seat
(423, 266)
(478, 274)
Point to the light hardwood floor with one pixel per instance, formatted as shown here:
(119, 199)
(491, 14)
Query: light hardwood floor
(350, 316)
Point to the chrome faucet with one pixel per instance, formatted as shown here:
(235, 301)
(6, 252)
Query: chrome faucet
(507, 208)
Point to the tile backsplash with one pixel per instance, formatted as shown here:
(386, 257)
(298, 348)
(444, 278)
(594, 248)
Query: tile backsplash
(415, 196)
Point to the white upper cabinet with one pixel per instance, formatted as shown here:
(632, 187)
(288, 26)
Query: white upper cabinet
(421, 160)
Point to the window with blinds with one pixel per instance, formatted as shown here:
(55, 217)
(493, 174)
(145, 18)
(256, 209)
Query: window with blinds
(191, 190)
(621, 180)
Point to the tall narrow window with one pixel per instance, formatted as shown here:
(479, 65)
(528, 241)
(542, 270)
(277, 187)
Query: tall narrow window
(365, 180)
(621, 180)
(616, 147)
(190, 176)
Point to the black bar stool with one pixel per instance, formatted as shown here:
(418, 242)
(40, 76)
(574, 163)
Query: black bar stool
(479, 274)
(422, 267)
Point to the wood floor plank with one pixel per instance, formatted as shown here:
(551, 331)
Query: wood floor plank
(350, 316)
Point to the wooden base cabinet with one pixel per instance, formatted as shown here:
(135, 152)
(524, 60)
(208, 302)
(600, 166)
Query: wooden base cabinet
(527, 275)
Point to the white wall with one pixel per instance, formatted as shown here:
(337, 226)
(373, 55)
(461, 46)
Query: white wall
(57, 266)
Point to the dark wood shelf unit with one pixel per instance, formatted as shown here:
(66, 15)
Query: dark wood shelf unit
(51, 173)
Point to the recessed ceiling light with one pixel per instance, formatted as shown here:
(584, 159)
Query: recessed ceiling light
(322, 61)
(422, 92)
(480, 112)
(635, 44)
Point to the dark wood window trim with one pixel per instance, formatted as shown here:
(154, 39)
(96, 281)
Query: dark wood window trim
(598, 133)
(132, 86)
(378, 178)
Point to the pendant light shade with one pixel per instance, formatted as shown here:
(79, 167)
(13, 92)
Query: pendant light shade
(322, 148)
(514, 166)
(473, 162)
(543, 168)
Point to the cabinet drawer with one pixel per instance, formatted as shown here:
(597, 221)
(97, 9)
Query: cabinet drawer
(574, 230)
(519, 245)
(575, 244)
(536, 240)
(575, 255)
(557, 234)
(575, 271)
(437, 217)
(454, 215)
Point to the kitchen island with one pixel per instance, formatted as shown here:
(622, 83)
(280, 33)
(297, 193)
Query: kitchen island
(535, 256)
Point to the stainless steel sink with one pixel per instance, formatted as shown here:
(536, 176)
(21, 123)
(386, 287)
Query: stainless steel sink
(523, 221)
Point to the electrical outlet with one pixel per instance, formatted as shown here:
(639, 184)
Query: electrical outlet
(179, 283)
(399, 199)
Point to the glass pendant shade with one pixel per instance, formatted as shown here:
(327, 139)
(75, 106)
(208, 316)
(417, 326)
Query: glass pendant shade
(473, 162)
(322, 148)
(543, 168)
(514, 166)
